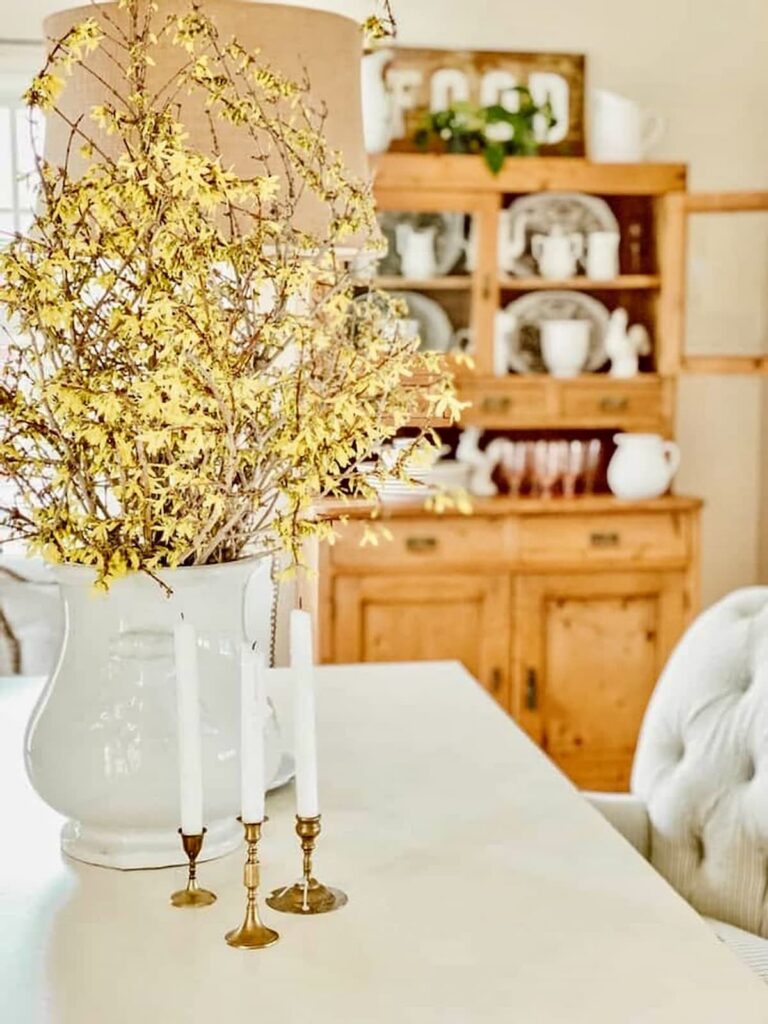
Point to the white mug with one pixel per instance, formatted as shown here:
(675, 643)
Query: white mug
(601, 262)
(565, 346)
(620, 131)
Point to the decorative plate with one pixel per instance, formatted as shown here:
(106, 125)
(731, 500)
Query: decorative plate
(523, 342)
(449, 240)
(541, 211)
(435, 329)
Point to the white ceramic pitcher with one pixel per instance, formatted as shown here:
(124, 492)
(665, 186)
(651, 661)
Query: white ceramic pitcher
(101, 745)
(642, 466)
(620, 131)
(377, 101)
(416, 249)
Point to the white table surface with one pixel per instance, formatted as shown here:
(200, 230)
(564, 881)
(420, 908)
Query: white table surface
(482, 889)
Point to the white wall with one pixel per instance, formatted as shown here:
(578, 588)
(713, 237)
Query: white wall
(702, 63)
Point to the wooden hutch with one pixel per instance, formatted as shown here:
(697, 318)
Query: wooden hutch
(564, 609)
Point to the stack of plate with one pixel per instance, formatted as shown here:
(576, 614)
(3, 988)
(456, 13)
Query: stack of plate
(400, 492)
(447, 473)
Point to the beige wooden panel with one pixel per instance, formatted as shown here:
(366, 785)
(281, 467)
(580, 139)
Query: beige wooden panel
(609, 400)
(507, 401)
(426, 618)
(589, 652)
(601, 663)
(425, 542)
(611, 539)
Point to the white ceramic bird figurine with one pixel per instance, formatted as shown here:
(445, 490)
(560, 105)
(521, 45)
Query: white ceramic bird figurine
(624, 345)
(482, 466)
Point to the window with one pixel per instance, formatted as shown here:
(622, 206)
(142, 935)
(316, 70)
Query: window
(19, 137)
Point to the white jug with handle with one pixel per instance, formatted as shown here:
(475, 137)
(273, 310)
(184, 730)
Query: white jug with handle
(416, 249)
(377, 101)
(642, 466)
(620, 131)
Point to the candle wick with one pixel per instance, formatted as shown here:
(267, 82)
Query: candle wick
(254, 645)
(182, 616)
(301, 603)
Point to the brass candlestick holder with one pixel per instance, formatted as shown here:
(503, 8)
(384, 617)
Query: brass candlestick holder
(251, 934)
(307, 896)
(193, 895)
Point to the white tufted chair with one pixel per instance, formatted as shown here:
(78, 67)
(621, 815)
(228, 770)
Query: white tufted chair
(698, 807)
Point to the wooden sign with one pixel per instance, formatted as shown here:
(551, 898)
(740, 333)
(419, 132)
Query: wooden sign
(422, 80)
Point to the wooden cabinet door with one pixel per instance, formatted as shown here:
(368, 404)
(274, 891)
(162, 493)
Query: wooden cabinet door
(713, 282)
(454, 616)
(589, 650)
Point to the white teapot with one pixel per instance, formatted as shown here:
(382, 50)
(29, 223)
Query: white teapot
(642, 466)
(416, 249)
(557, 253)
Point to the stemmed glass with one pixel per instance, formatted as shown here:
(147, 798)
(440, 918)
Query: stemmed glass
(573, 466)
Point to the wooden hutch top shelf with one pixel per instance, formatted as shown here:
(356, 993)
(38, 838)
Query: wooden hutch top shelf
(451, 172)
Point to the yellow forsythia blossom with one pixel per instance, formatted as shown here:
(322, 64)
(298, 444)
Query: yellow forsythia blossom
(189, 370)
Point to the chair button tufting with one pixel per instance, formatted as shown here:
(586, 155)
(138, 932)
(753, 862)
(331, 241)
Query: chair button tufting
(699, 845)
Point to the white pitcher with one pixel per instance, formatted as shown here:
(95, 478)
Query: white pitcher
(557, 253)
(642, 466)
(377, 101)
(416, 249)
(620, 131)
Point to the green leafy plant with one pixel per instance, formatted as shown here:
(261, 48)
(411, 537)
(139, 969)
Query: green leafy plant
(494, 132)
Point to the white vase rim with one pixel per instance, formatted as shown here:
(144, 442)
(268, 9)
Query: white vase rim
(72, 573)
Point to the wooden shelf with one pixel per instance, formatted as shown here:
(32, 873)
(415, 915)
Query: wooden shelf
(436, 172)
(625, 282)
(505, 506)
(452, 282)
(726, 364)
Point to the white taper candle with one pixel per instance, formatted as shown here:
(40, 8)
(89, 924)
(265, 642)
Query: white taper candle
(253, 703)
(302, 663)
(189, 730)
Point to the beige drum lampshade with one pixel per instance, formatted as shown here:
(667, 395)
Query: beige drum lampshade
(298, 42)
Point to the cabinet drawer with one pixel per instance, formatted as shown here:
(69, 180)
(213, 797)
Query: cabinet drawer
(422, 542)
(613, 401)
(636, 538)
(499, 405)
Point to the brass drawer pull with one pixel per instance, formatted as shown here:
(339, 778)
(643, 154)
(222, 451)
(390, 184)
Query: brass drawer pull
(614, 403)
(421, 543)
(609, 539)
(496, 404)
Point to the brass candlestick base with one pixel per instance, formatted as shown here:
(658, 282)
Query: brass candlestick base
(193, 895)
(252, 934)
(307, 896)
